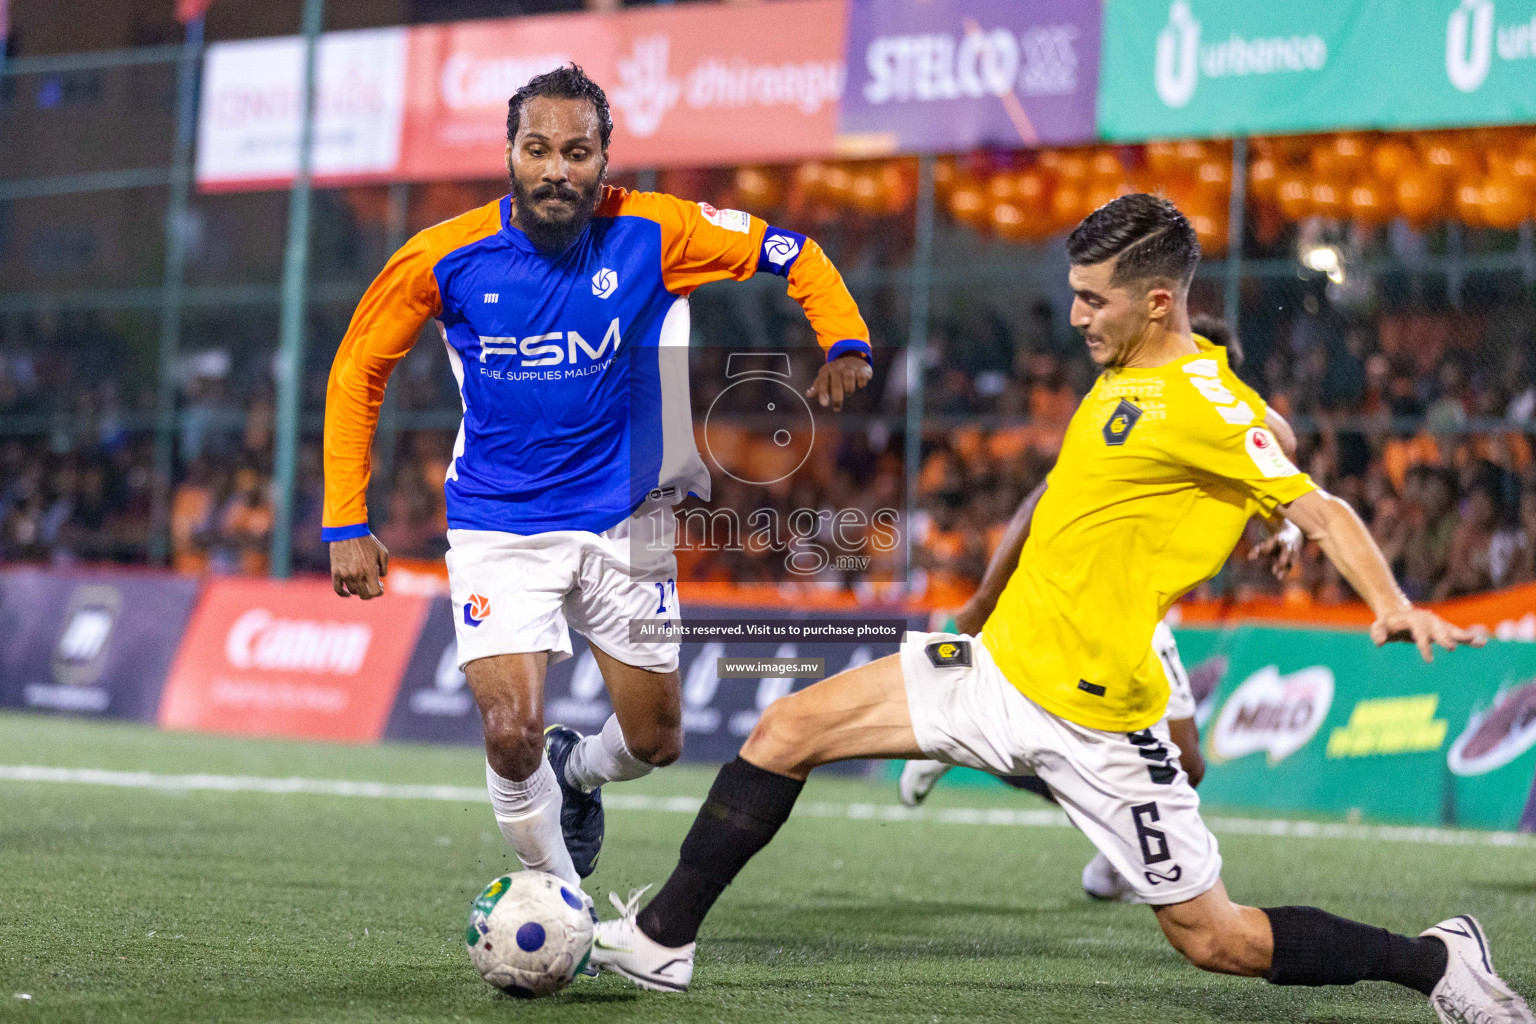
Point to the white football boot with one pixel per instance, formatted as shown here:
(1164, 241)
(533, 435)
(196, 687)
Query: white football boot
(621, 947)
(918, 779)
(1103, 882)
(1470, 992)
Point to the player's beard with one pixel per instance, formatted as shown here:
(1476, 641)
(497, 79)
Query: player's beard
(551, 235)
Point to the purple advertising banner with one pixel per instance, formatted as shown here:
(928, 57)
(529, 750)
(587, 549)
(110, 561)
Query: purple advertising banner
(90, 643)
(949, 75)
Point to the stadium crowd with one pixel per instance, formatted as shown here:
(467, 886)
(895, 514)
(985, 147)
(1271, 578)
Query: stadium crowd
(1425, 422)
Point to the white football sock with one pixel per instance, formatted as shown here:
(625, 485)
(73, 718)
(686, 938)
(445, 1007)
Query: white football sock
(528, 814)
(604, 757)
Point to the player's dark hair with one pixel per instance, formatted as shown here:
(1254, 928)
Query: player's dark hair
(564, 83)
(1146, 235)
(1218, 332)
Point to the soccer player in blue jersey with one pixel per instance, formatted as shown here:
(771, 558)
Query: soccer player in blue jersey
(564, 309)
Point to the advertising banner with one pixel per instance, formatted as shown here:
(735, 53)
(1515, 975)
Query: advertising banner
(1323, 721)
(92, 643)
(702, 85)
(689, 87)
(290, 658)
(1179, 68)
(435, 705)
(249, 118)
(1508, 614)
(944, 75)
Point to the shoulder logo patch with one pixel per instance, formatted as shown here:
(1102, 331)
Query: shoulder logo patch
(1266, 453)
(604, 282)
(1120, 423)
(730, 220)
(947, 653)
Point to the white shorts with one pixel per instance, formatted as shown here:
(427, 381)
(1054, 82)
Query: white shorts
(516, 593)
(1181, 699)
(1125, 791)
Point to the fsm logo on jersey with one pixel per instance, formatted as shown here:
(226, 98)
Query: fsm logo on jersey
(555, 348)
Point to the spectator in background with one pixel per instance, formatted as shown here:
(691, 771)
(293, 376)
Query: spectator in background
(1428, 549)
(1512, 555)
(1468, 567)
(242, 528)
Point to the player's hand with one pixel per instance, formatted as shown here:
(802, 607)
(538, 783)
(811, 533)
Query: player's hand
(357, 566)
(838, 379)
(1424, 629)
(1282, 550)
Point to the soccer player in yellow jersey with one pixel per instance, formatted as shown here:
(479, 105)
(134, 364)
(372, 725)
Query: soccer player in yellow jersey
(1162, 465)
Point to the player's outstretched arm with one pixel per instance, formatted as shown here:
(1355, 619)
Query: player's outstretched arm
(384, 328)
(970, 618)
(1335, 527)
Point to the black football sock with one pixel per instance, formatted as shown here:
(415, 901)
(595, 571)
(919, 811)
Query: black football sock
(1313, 947)
(1030, 784)
(746, 806)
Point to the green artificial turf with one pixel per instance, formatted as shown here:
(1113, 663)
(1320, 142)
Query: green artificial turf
(144, 906)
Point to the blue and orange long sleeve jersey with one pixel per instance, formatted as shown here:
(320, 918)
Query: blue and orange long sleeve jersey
(574, 409)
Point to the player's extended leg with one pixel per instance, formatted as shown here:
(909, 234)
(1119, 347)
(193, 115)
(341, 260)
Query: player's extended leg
(1450, 962)
(859, 713)
(509, 690)
(625, 575)
(645, 732)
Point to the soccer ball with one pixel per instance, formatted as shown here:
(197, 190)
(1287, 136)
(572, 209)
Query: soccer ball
(529, 933)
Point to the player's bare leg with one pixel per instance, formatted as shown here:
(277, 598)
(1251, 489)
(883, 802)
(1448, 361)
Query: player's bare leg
(860, 713)
(645, 732)
(509, 690)
(649, 709)
(1450, 962)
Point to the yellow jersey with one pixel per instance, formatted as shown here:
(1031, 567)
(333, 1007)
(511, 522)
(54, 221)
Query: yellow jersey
(1159, 472)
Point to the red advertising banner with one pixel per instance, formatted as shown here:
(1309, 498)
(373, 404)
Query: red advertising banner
(690, 86)
(271, 658)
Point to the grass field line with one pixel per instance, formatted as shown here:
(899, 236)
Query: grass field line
(996, 816)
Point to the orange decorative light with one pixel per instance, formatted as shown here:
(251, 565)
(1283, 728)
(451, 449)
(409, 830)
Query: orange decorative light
(1264, 179)
(1505, 203)
(1368, 203)
(1294, 197)
(1419, 193)
(1391, 158)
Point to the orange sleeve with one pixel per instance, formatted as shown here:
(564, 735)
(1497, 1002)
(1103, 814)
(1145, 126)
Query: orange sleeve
(387, 322)
(815, 283)
(700, 244)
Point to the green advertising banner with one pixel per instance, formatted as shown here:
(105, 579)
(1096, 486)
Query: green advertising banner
(1182, 68)
(1322, 721)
